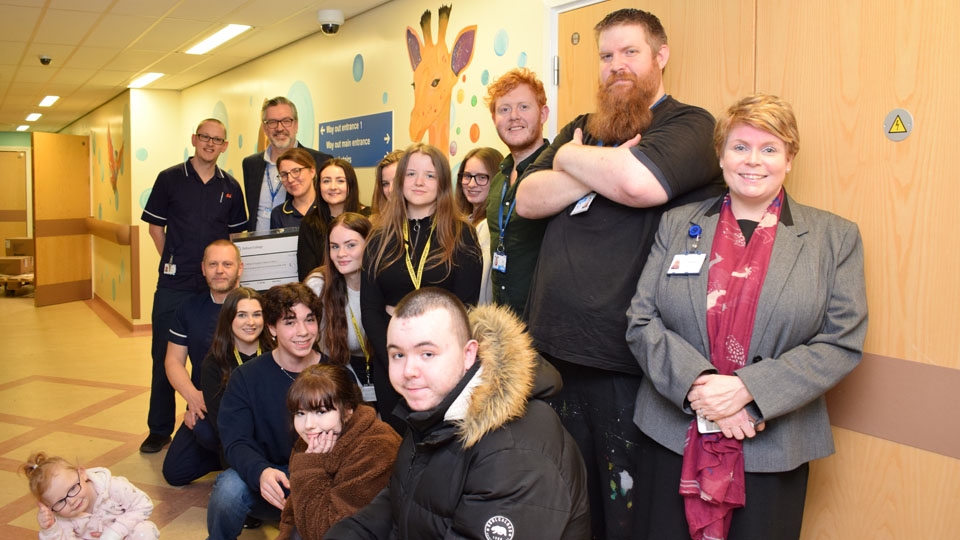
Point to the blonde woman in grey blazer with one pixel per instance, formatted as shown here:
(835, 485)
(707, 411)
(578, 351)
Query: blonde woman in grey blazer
(809, 323)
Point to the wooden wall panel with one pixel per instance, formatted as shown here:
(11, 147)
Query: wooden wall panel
(711, 52)
(67, 258)
(872, 488)
(13, 195)
(844, 66)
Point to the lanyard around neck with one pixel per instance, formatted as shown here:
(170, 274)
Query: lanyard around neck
(416, 277)
(501, 222)
(362, 340)
(236, 354)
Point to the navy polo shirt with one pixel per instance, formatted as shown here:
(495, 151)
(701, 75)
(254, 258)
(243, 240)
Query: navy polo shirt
(193, 327)
(286, 215)
(194, 214)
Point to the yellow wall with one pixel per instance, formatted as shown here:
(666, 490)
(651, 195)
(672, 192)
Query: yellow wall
(158, 140)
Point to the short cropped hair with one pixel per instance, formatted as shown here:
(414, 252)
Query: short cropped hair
(764, 112)
(510, 80)
(215, 121)
(656, 35)
(273, 102)
(222, 242)
(428, 299)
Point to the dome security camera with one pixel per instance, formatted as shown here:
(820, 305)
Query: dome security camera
(330, 21)
(45, 60)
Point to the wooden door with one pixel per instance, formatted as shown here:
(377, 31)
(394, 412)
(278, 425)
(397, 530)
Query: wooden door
(711, 52)
(61, 206)
(13, 201)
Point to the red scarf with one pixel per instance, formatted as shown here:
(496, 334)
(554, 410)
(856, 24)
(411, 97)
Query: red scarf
(711, 481)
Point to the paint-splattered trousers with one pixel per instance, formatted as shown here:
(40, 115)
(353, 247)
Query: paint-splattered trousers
(596, 407)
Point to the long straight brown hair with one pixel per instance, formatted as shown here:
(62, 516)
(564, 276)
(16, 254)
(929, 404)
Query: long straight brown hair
(449, 222)
(333, 298)
(222, 346)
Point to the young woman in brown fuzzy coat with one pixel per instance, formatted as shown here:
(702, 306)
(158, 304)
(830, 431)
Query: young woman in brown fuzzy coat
(344, 455)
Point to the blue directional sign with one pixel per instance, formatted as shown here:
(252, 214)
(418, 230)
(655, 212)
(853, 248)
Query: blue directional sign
(361, 140)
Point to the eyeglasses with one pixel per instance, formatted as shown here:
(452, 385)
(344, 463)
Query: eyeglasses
(206, 138)
(480, 179)
(292, 172)
(74, 491)
(272, 124)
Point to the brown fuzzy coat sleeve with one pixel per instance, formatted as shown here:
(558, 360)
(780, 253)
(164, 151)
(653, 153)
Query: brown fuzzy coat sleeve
(325, 488)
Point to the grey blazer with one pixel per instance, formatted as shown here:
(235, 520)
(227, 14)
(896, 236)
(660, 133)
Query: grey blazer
(808, 334)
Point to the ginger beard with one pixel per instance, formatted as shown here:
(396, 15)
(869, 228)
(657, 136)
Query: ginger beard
(623, 111)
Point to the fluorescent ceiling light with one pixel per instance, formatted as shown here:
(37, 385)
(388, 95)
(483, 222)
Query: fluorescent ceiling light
(23, 127)
(226, 34)
(49, 100)
(144, 80)
(33, 117)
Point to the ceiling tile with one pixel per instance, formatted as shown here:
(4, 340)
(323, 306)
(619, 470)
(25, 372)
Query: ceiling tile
(106, 78)
(135, 61)
(12, 51)
(33, 74)
(19, 88)
(177, 62)
(91, 57)
(175, 34)
(71, 76)
(261, 14)
(34, 3)
(208, 10)
(153, 8)
(17, 23)
(118, 31)
(65, 27)
(94, 6)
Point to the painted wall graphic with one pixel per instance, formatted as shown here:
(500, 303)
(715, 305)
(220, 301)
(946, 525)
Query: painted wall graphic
(435, 71)
(114, 161)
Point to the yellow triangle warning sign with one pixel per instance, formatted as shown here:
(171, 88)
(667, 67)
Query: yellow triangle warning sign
(897, 126)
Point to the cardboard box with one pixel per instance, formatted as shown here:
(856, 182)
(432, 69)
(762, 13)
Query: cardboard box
(19, 247)
(14, 266)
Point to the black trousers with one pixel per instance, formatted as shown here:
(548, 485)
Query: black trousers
(596, 406)
(773, 510)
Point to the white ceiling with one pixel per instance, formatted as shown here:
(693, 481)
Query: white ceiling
(99, 46)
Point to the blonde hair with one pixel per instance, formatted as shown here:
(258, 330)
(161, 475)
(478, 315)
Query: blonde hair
(764, 112)
(379, 201)
(39, 469)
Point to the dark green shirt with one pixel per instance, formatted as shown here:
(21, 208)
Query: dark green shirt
(521, 242)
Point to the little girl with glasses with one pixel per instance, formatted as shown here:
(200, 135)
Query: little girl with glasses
(87, 503)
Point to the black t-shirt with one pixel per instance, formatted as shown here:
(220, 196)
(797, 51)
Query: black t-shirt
(590, 262)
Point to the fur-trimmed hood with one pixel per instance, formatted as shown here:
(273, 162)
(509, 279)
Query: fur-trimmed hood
(510, 373)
